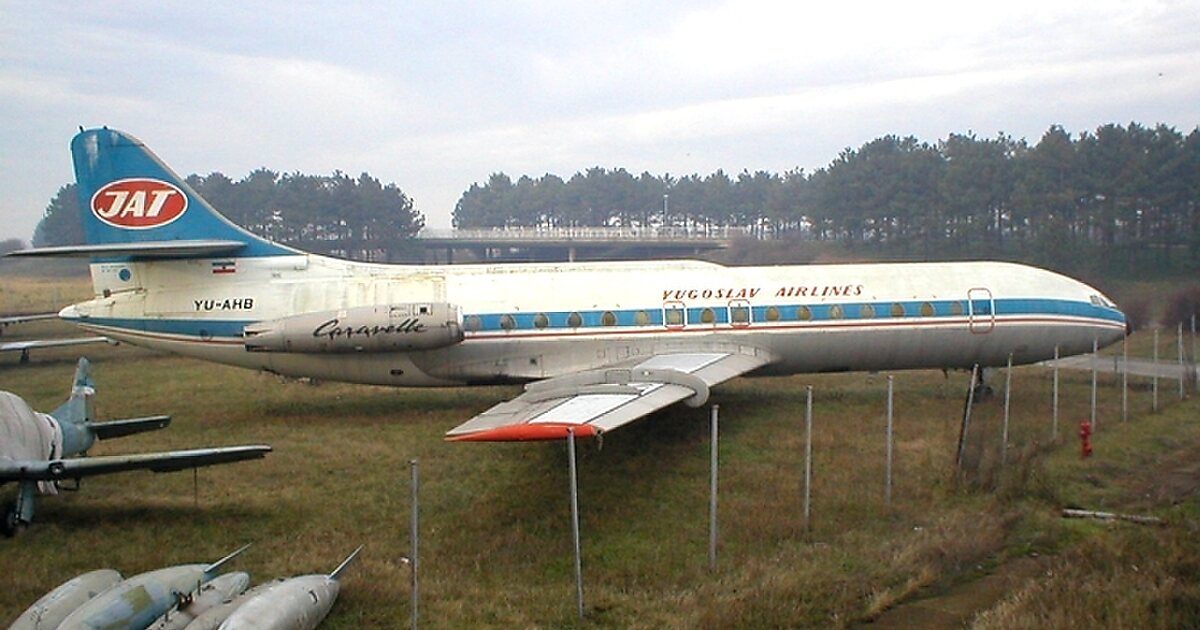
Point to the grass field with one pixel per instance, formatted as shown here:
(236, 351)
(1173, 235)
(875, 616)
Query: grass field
(496, 539)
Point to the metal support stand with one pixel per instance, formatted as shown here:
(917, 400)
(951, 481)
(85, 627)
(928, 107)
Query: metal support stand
(575, 522)
(1095, 350)
(966, 424)
(1007, 400)
(808, 423)
(1054, 425)
(712, 495)
(887, 487)
(414, 537)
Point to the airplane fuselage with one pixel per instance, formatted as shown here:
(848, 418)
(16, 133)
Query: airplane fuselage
(525, 322)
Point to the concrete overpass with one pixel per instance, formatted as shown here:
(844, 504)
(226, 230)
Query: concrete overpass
(575, 243)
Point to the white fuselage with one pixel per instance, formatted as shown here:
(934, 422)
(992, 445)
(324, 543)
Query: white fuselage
(533, 321)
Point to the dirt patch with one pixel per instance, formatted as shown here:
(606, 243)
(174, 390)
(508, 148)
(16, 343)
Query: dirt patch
(959, 605)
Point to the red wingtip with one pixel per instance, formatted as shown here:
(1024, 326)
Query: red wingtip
(526, 433)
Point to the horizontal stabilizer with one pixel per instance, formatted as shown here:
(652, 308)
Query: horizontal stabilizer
(143, 249)
(121, 428)
(337, 573)
(216, 566)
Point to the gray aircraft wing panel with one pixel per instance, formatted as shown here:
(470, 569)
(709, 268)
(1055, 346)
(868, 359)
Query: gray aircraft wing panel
(72, 468)
(601, 400)
(18, 346)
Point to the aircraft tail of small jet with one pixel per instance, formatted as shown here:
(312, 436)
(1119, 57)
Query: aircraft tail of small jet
(75, 416)
(134, 206)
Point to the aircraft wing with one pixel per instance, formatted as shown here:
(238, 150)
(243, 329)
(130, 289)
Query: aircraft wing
(22, 346)
(600, 400)
(19, 319)
(170, 461)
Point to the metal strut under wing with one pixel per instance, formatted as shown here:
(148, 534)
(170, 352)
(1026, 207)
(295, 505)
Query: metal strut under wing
(603, 399)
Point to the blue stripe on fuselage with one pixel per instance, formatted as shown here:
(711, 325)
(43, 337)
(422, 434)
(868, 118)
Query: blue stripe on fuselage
(615, 319)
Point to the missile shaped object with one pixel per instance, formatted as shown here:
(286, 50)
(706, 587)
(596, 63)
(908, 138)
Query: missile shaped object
(135, 603)
(49, 611)
(220, 589)
(299, 603)
(212, 618)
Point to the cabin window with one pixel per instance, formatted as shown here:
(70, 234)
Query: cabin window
(642, 318)
(867, 311)
(608, 319)
(897, 310)
(956, 308)
(508, 322)
(926, 309)
(772, 313)
(836, 312)
(541, 320)
(574, 320)
(708, 316)
(804, 313)
(472, 323)
(739, 314)
(673, 316)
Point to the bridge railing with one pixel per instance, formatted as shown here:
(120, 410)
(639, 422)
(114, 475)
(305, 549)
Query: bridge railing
(596, 233)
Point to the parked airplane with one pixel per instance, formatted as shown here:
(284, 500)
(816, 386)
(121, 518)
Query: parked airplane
(32, 344)
(36, 448)
(9, 320)
(25, 346)
(601, 344)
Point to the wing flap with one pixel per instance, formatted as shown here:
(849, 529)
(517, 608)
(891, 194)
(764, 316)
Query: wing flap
(595, 401)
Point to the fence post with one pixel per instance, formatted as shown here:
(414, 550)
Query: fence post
(414, 535)
(1054, 428)
(808, 422)
(1007, 400)
(1154, 377)
(1125, 379)
(712, 501)
(887, 493)
(1095, 357)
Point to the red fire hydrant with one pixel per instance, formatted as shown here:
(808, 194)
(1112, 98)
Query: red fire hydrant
(1085, 439)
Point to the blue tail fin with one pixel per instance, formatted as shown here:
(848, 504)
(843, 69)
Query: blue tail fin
(74, 415)
(127, 196)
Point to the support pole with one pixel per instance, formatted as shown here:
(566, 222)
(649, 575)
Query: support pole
(1095, 356)
(1007, 401)
(1182, 390)
(808, 423)
(966, 424)
(887, 488)
(415, 536)
(1125, 379)
(575, 522)
(1054, 426)
(712, 498)
(1154, 377)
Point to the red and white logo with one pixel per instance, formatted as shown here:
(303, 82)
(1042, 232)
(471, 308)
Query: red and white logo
(139, 204)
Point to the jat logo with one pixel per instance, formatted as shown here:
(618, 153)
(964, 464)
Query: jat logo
(139, 204)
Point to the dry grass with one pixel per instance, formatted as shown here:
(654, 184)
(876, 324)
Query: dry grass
(495, 530)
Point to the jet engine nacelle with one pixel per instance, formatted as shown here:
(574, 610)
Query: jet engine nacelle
(381, 328)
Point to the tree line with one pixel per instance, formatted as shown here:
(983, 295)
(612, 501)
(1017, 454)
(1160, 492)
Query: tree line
(1121, 198)
(336, 214)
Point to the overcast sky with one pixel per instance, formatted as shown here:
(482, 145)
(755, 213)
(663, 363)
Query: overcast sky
(435, 96)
